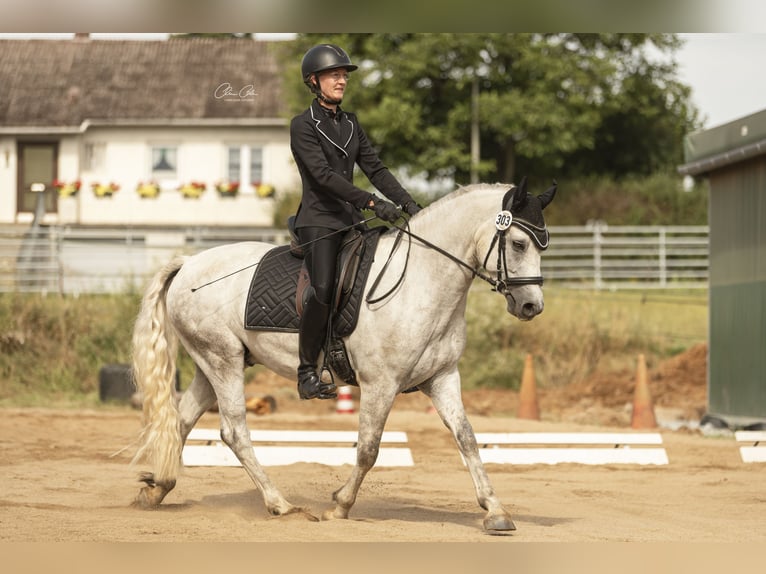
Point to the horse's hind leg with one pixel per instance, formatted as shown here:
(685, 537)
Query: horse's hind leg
(194, 401)
(198, 398)
(234, 432)
(445, 394)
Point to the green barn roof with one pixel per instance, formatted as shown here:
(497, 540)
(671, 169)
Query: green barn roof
(741, 139)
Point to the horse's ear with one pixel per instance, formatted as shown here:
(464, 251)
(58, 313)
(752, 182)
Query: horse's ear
(547, 196)
(520, 195)
(508, 197)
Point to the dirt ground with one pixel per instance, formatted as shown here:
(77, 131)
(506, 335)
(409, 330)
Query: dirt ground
(64, 479)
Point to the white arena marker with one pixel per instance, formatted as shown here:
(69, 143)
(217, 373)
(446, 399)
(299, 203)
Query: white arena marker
(756, 452)
(304, 448)
(560, 448)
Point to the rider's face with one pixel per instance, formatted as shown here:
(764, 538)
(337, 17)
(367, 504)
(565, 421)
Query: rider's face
(332, 83)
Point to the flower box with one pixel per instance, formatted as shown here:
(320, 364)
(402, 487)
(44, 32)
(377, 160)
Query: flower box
(104, 190)
(193, 189)
(148, 189)
(67, 189)
(264, 190)
(227, 188)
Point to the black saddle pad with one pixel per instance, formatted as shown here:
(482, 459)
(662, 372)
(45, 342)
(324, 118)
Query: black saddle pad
(271, 299)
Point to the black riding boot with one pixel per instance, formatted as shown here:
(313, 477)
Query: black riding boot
(313, 329)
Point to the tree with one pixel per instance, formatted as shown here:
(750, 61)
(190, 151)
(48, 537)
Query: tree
(549, 104)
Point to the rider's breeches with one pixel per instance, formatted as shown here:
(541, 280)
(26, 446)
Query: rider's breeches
(320, 247)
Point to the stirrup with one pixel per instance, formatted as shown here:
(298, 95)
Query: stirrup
(310, 386)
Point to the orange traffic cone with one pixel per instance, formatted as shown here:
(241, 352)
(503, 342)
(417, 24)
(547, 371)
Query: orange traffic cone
(643, 410)
(528, 408)
(345, 404)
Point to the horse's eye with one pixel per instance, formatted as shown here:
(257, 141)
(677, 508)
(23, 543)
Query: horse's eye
(519, 245)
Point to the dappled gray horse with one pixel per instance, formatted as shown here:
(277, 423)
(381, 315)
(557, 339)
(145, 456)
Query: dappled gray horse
(413, 337)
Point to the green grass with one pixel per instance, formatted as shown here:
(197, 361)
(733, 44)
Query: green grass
(52, 348)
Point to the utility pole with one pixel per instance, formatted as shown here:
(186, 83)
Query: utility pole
(475, 145)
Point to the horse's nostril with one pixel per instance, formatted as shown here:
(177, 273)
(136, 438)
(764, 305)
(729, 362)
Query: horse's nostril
(529, 310)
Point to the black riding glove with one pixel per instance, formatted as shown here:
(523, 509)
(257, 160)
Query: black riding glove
(411, 207)
(385, 210)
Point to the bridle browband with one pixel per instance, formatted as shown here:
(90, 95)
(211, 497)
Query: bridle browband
(501, 283)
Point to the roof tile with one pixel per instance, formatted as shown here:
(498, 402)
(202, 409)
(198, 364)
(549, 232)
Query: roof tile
(65, 82)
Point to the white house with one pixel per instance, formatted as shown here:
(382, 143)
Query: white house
(204, 111)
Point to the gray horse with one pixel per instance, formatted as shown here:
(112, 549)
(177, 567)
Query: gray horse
(413, 337)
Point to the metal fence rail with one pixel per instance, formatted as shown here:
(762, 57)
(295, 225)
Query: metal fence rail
(74, 261)
(67, 260)
(598, 256)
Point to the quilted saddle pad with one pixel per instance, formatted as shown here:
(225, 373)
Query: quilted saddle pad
(271, 298)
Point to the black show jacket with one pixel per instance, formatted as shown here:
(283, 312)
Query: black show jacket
(325, 155)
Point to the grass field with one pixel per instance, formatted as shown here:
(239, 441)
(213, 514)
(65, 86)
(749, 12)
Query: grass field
(52, 348)
(578, 333)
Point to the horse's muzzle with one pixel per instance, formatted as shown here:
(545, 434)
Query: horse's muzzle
(524, 308)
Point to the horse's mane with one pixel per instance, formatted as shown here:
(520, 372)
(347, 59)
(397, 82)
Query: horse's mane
(462, 190)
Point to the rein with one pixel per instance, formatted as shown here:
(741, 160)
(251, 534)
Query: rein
(501, 284)
(246, 267)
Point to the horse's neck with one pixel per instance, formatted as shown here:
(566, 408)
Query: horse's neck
(454, 227)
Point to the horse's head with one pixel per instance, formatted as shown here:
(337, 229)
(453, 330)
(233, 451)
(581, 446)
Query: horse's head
(513, 256)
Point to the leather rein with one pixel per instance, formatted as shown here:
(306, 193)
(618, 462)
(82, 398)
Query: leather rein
(501, 283)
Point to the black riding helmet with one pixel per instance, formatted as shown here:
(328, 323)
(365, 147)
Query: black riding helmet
(321, 58)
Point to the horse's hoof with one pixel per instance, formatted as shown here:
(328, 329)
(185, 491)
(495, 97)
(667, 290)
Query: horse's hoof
(143, 501)
(152, 495)
(499, 525)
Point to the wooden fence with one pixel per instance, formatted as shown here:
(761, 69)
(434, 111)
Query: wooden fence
(74, 261)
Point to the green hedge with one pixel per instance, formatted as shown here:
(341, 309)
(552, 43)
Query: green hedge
(52, 347)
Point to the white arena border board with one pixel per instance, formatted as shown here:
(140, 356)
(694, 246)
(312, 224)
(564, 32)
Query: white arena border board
(214, 452)
(575, 447)
(753, 453)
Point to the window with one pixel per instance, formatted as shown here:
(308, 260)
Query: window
(244, 164)
(234, 163)
(256, 165)
(95, 152)
(164, 162)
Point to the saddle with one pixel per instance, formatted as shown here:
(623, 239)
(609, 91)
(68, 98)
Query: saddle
(352, 248)
(277, 290)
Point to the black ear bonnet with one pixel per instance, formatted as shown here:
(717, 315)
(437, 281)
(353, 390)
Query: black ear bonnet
(527, 211)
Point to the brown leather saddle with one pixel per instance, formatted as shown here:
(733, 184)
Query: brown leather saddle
(350, 255)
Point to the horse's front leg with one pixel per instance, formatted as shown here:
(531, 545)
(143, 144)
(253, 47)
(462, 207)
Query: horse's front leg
(374, 407)
(445, 394)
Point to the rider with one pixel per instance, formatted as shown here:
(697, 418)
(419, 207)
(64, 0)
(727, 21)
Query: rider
(326, 142)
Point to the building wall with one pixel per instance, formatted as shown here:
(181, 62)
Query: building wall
(7, 179)
(737, 345)
(123, 155)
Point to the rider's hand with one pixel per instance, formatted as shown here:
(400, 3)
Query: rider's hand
(385, 210)
(411, 207)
